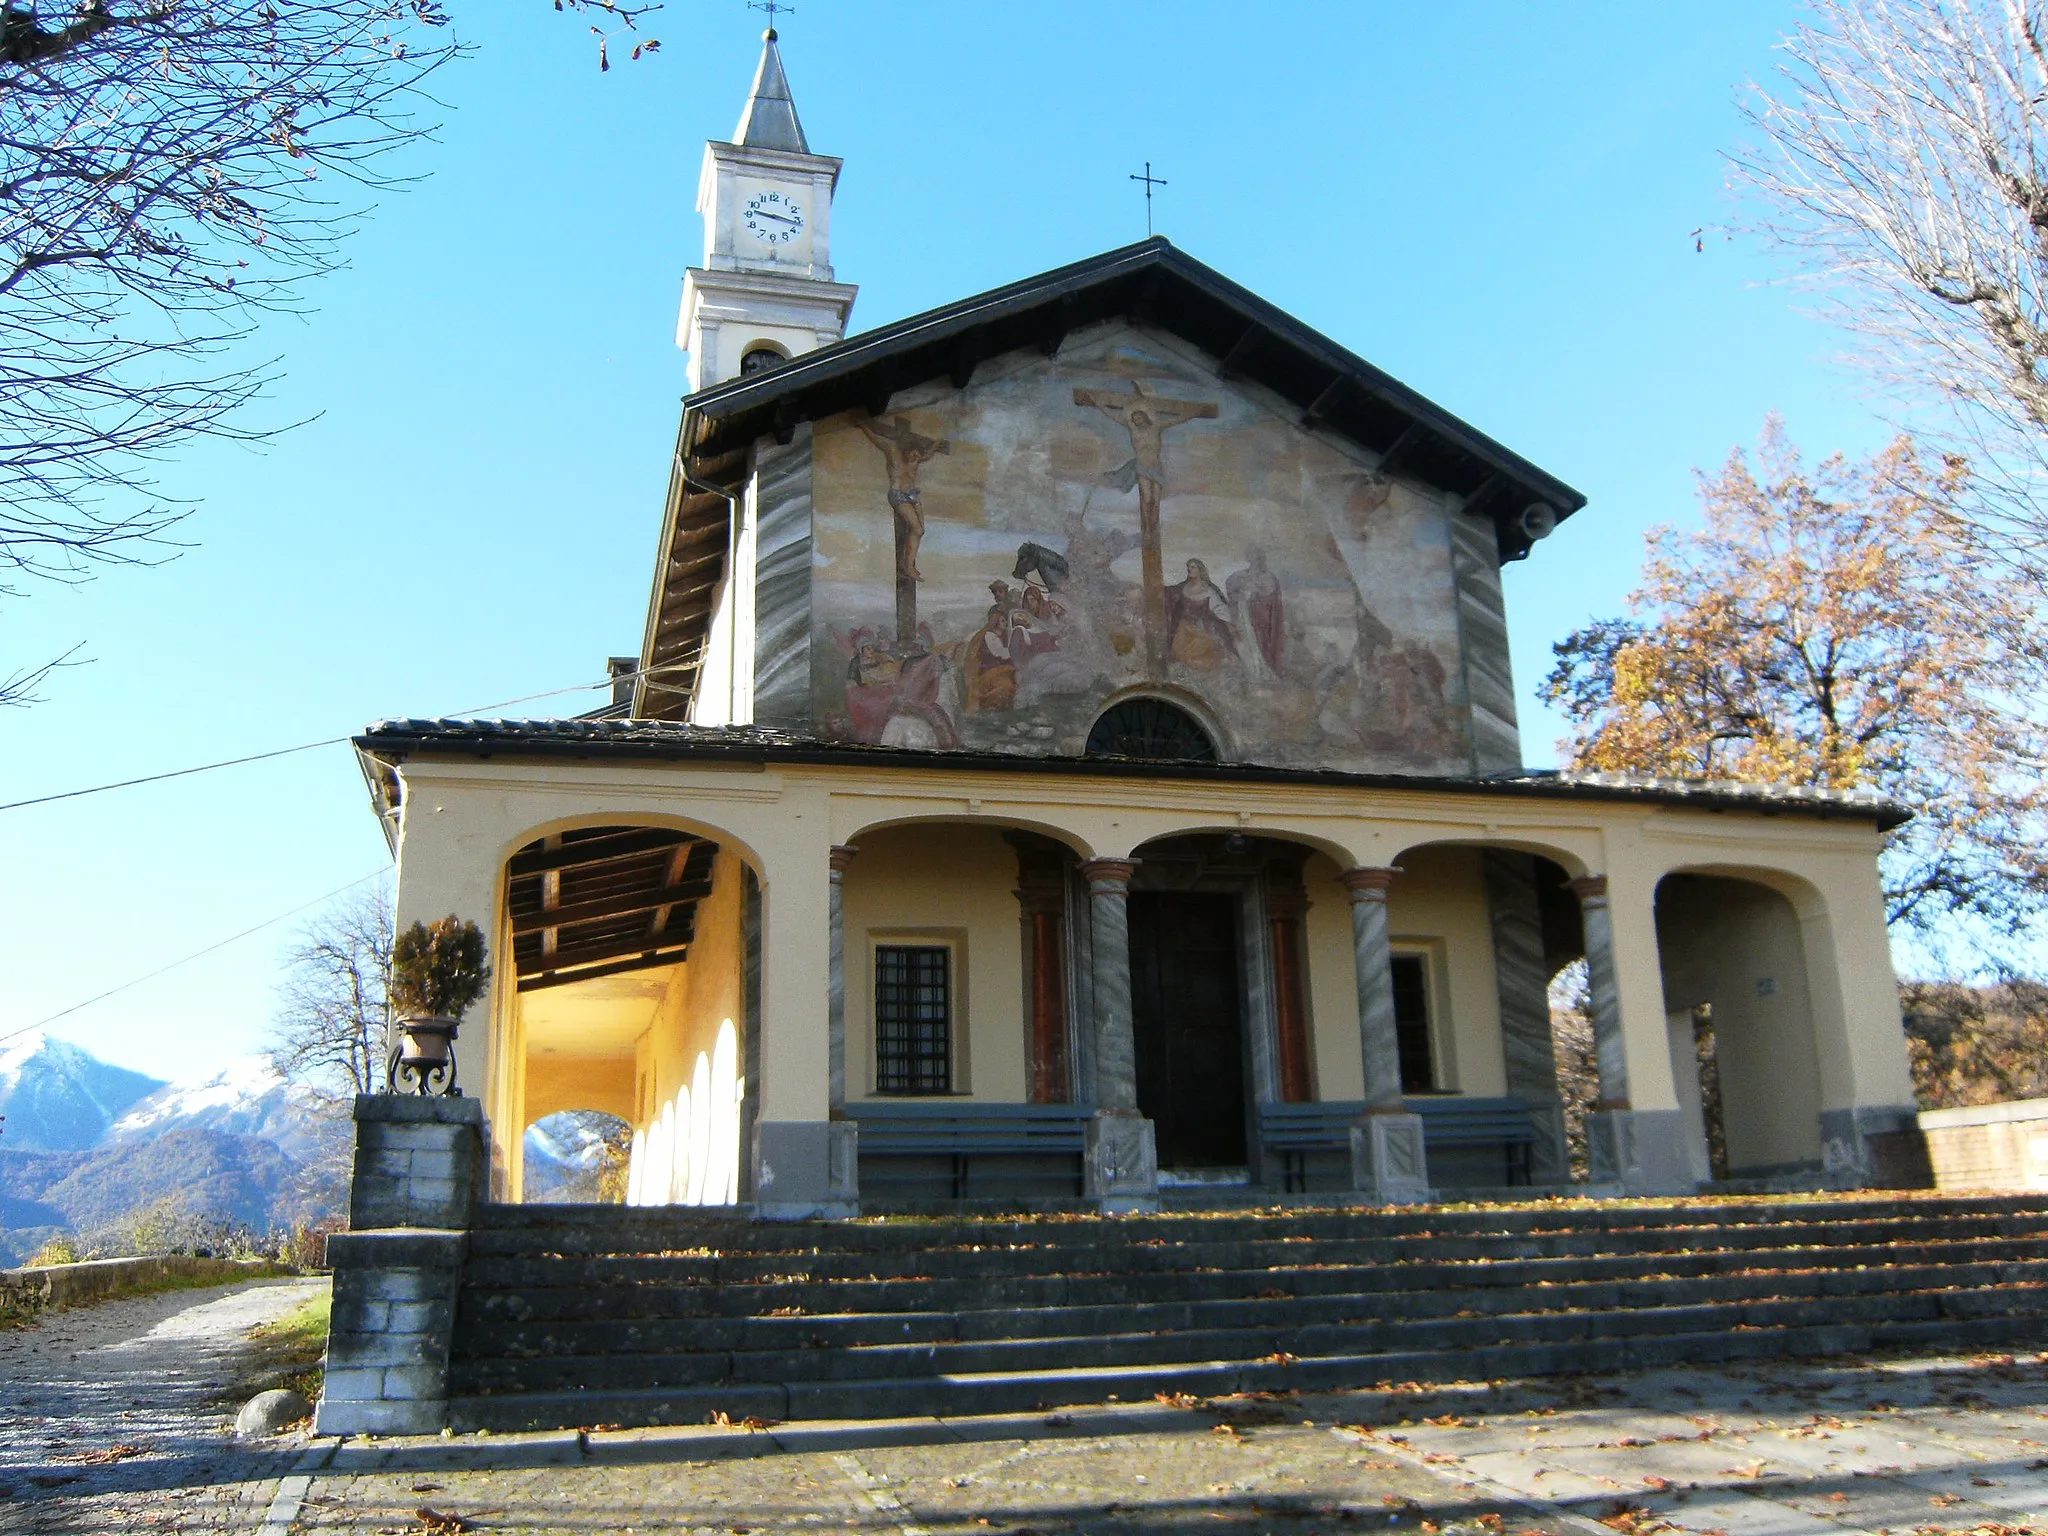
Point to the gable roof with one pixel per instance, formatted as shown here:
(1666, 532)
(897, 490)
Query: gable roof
(1152, 283)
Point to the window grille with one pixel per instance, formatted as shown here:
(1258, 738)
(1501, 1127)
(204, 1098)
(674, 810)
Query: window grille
(1411, 1024)
(913, 1018)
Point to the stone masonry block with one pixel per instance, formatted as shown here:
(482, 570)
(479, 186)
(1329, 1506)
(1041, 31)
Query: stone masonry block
(398, 1248)
(415, 1383)
(363, 1351)
(421, 1316)
(352, 1383)
(436, 1164)
(359, 1315)
(382, 1163)
(376, 1417)
(404, 1108)
(407, 1287)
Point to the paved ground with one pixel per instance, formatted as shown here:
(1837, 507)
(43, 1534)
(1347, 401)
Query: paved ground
(110, 1420)
(1901, 1446)
(118, 1417)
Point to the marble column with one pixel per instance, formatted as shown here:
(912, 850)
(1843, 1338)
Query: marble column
(1122, 1156)
(1387, 1158)
(1626, 1150)
(844, 1153)
(1523, 988)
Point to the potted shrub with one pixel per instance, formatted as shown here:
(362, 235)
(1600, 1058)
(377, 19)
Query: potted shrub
(438, 970)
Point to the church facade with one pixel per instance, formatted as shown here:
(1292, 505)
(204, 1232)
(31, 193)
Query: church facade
(1073, 754)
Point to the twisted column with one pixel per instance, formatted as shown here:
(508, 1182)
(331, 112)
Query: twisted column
(1610, 1048)
(835, 984)
(1116, 1050)
(1373, 952)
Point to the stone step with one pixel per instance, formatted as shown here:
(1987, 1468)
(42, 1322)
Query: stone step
(1029, 1391)
(1449, 1336)
(621, 1229)
(555, 1291)
(990, 1260)
(604, 1333)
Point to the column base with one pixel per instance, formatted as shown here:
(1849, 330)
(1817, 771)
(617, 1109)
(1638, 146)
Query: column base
(1120, 1164)
(1639, 1152)
(1388, 1163)
(1874, 1146)
(806, 1168)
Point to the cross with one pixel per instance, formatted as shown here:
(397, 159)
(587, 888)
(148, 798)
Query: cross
(772, 7)
(1150, 181)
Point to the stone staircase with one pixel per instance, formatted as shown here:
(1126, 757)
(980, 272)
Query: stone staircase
(586, 1316)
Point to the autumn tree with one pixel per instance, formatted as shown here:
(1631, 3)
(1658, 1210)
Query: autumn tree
(1836, 627)
(1901, 157)
(171, 173)
(328, 1034)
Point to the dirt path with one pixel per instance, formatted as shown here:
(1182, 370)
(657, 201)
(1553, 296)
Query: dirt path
(120, 1417)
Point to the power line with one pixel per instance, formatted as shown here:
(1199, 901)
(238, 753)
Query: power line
(137, 981)
(258, 757)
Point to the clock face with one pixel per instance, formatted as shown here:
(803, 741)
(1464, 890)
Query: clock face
(774, 219)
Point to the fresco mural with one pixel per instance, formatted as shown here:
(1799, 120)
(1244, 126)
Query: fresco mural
(991, 564)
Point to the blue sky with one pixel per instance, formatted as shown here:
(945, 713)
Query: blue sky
(1493, 202)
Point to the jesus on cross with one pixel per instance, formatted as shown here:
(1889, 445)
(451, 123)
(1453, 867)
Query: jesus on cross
(1147, 417)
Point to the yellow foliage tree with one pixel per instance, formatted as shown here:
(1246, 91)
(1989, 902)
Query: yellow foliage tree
(1842, 627)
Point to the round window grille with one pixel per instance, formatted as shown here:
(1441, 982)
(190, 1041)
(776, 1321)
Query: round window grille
(1150, 728)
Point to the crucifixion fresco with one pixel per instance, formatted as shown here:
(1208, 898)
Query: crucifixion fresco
(905, 450)
(1147, 418)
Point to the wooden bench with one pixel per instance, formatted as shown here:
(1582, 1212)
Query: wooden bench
(961, 1130)
(1448, 1120)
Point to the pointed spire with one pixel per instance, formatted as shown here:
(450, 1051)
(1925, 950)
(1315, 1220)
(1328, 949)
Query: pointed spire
(769, 121)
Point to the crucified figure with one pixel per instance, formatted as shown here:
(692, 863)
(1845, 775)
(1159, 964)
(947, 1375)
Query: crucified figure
(905, 451)
(1146, 417)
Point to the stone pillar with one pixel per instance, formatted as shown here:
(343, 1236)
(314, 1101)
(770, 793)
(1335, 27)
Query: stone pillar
(1523, 986)
(1122, 1171)
(1387, 1158)
(418, 1165)
(1636, 1152)
(842, 1155)
(1042, 912)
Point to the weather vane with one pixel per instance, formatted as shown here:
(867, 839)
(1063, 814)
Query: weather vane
(1150, 181)
(772, 7)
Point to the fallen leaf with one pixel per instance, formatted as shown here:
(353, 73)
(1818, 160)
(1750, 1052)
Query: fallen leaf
(435, 1523)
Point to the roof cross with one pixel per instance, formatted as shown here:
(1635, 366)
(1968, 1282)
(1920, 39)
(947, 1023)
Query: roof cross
(774, 8)
(1150, 181)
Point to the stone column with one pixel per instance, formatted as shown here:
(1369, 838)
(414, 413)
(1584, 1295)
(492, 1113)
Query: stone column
(843, 1153)
(1122, 1157)
(1515, 912)
(1626, 1149)
(1387, 1158)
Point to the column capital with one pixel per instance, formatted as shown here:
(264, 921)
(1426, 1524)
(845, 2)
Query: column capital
(1108, 877)
(841, 856)
(1590, 889)
(1367, 883)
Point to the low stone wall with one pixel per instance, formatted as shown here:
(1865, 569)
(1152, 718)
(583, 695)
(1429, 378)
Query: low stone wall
(24, 1292)
(1989, 1146)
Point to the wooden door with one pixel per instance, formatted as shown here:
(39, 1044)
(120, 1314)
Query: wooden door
(1188, 1017)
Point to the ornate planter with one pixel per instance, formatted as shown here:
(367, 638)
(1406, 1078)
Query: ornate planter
(422, 1059)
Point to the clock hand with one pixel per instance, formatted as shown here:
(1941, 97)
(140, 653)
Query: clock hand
(762, 213)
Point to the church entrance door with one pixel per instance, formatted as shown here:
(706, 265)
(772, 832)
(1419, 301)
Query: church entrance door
(1188, 1021)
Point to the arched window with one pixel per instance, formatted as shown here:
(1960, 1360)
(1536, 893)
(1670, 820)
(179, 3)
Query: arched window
(1153, 728)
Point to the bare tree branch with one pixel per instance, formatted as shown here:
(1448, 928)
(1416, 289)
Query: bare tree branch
(328, 1034)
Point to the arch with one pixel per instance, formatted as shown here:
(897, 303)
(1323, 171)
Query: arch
(576, 1157)
(632, 816)
(1265, 831)
(1002, 821)
(1154, 726)
(760, 355)
(1573, 864)
(1741, 1015)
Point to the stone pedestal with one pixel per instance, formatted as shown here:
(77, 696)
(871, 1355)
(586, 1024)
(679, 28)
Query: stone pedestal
(418, 1172)
(806, 1168)
(389, 1336)
(1387, 1161)
(1121, 1162)
(1638, 1152)
(1874, 1146)
(419, 1161)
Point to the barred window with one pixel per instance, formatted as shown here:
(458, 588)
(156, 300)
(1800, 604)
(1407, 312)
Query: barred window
(1411, 1024)
(913, 1018)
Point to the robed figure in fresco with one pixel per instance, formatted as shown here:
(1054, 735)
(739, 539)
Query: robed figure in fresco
(1199, 630)
(1147, 417)
(1255, 593)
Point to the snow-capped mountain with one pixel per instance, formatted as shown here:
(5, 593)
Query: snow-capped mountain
(59, 1098)
(245, 1098)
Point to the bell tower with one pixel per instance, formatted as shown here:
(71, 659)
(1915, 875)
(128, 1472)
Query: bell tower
(765, 292)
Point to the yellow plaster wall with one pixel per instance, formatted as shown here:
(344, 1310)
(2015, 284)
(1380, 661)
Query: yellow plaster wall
(928, 883)
(1332, 983)
(602, 1083)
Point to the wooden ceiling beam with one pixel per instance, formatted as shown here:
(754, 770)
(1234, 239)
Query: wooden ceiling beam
(606, 908)
(621, 945)
(590, 973)
(636, 843)
(1412, 437)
